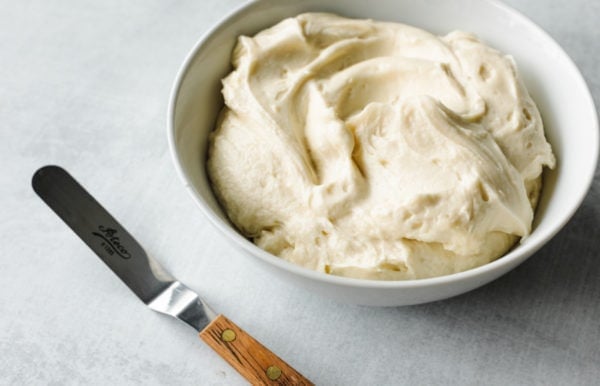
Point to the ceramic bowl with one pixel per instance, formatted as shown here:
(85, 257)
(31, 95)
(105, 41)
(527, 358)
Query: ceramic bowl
(551, 77)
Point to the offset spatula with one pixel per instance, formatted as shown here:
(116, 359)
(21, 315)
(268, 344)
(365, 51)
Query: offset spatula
(153, 284)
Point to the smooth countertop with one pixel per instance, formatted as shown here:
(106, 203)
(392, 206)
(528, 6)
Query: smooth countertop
(86, 85)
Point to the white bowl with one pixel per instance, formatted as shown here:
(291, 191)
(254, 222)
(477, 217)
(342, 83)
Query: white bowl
(551, 77)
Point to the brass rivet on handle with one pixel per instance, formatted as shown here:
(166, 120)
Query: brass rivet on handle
(273, 372)
(228, 335)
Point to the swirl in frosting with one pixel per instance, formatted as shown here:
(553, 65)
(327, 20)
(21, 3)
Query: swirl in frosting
(377, 150)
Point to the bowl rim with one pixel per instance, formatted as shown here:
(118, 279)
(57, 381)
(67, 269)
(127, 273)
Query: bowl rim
(501, 264)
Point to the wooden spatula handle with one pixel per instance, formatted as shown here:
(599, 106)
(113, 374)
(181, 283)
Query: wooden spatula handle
(251, 359)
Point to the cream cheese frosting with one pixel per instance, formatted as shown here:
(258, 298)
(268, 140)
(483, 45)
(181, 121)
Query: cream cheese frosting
(377, 150)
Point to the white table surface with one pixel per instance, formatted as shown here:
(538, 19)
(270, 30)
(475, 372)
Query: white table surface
(85, 85)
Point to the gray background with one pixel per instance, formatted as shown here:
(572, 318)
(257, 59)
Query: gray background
(85, 85)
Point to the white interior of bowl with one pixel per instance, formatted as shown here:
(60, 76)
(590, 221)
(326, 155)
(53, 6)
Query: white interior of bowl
(552, 79)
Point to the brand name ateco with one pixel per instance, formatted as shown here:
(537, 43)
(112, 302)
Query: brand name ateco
(111, 242)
